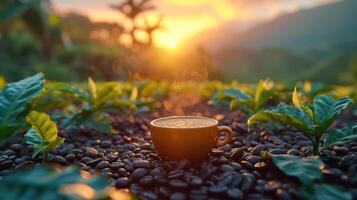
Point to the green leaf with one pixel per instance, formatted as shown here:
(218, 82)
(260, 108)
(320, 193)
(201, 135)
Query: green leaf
(6, 132)
(92, 88)
(245, 106)
(68, 88)
(43, 134)
(15, 96)
(100, 122)
(340, 136)
(327, 109)
(299, 104)
(324, 192)
(237, 94)
(286, 115)
(305, 169)
(262, 93)
(43, 182)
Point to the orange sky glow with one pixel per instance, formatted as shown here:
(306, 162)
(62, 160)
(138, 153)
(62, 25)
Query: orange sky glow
(184, 19)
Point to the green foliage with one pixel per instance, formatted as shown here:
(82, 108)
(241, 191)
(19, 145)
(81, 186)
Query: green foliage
(43, 183)
(251, 104)
(319, 191)
(94, 101)
(14, 100)
(43, 133)
(313, 120)
(306, 170)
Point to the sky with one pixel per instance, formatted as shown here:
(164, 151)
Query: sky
(187, 18)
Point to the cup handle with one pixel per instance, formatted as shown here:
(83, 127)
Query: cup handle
(229, 137)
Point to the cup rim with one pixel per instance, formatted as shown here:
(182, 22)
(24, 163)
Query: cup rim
(183, 116)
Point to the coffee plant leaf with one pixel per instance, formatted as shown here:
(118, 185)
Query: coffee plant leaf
(326, 110)
(43, 182)
(324, 192)
(286, 115)
(340, 136)
(306, 170)
(43, 134)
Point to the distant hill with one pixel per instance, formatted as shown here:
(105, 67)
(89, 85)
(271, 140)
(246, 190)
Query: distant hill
(317, 44)
(315, 27)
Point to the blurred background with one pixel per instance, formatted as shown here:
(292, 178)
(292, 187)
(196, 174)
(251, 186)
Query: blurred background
(243, 40)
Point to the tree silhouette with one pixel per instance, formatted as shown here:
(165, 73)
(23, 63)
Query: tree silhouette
(132, 9)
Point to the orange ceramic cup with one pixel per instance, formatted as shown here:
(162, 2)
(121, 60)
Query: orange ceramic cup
(191, 143)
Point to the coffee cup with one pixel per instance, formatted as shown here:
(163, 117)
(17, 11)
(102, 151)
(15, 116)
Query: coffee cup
(187, 137)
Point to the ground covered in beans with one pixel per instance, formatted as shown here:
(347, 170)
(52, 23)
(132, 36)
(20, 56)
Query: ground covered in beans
(234, 171)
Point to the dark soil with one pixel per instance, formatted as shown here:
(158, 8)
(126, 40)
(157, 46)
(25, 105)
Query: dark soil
(234, 171)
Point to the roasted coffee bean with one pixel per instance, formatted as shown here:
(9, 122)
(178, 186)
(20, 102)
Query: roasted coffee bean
(91, 152)
(257, 149)
(94, 162)
(17, 147)
(148, 196)
(194, 180)
(176, 174)
(141, 164)
(138, 174)
(175, 183)
(25, 164)
(177, 196)
(70, 157)
(146, 180)
(217, 189)
(58, 159)
(235, 193)
(106, 144)
(103, 164)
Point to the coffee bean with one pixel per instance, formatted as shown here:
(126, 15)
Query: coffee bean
(257, 149)
(272, 186)
(116, 165)
(138, 174)
(194, 180)
(8, 152)
(17, 147)
(177, 196)
(217, 152)
(236, 154)
(164, 191)
(103, 164)
(141, 164)
(253, 159)
(175, 183)
(25, 164)
(106, 144)
(86, 159)
(217, 189)
(58, 159)
(176, 174)
(246, 165)
(135, 188)
(70, 157)
(91, 152)
(277, 151)
(283, 195)
(148, 196)
(146, 180)
(226, 167)
(199, 194)
(3, 157)
(93, 162)
(248, 183)
(235, 193)
(6, 164)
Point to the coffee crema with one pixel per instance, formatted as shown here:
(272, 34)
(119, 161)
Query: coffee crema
(184, 122)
